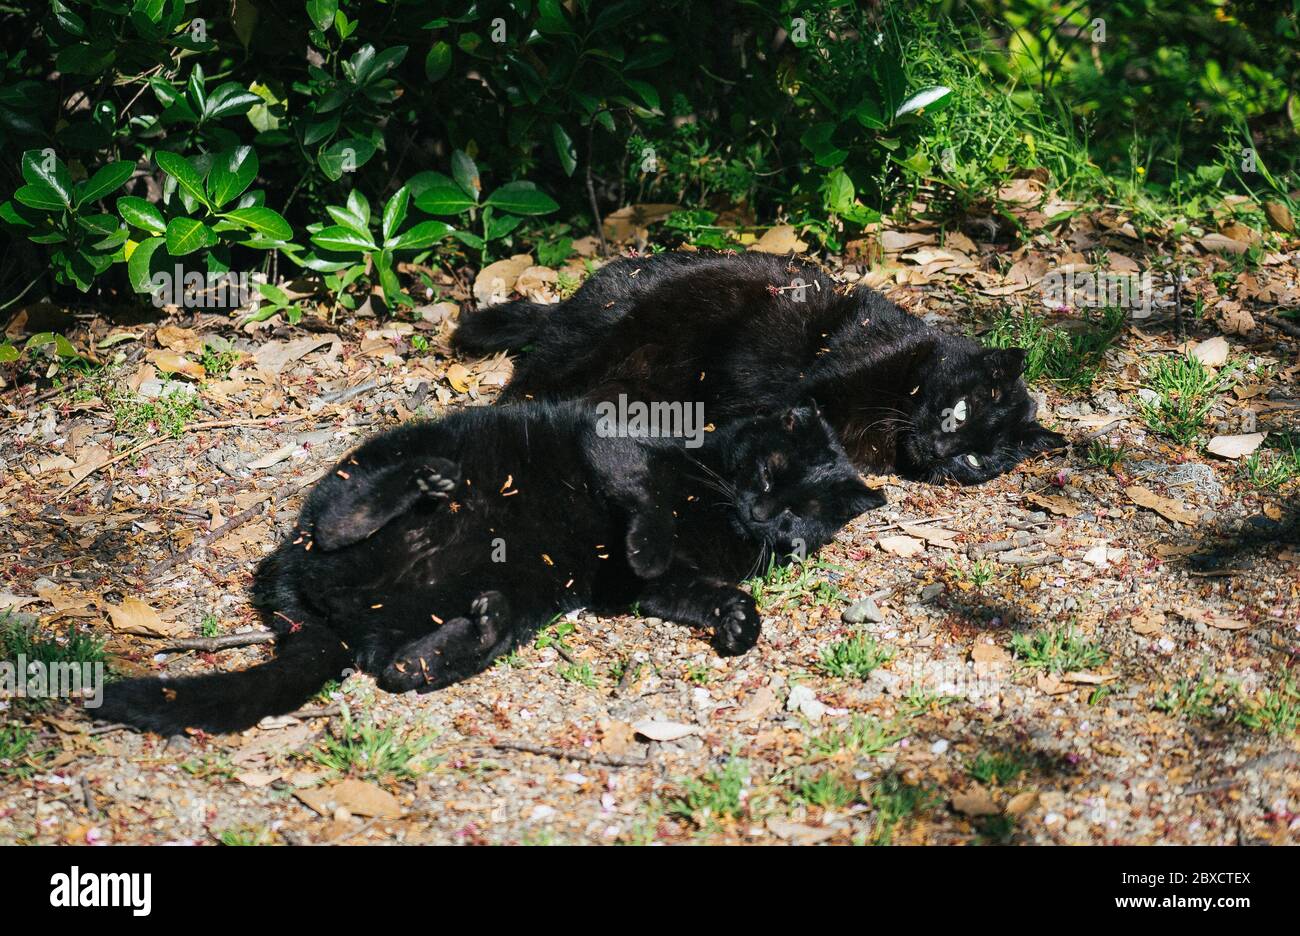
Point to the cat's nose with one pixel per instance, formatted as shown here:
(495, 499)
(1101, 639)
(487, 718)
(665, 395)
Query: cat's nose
(763, 510)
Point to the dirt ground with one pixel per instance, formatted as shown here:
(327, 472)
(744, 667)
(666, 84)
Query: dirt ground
(1076, 652)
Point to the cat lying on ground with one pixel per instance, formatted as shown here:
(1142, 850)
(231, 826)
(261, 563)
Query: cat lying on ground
(436, 547)
(754, 333)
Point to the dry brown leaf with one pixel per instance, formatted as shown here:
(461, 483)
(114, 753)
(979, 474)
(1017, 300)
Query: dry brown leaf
(1147, 621)
(657, 730)
(495, 281)
(1235, 446)
(898, 241)
(356, 796)
(797, 833)
(1212, 619)
(1167, 507)
(901, 545)
(134, 616)
(1279, 215)
(1212, 352)
(458, 376)
(1021, 803)
(780, 240)
(627, 223)
(975, 802)
(169, 362)
(1058, 504)
(1218, 243)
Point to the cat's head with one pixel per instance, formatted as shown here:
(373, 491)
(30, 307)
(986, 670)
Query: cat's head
(971, 416)
(793, 485)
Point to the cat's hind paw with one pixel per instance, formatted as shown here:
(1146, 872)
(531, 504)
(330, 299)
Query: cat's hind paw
(737, 623)
(437, 478)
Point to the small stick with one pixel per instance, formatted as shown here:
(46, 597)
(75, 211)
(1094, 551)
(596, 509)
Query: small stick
(1283, 325)
(88, 797)
(239, 519)
(545, 750)
(1094, 436)
(225, 642)
(342, 396)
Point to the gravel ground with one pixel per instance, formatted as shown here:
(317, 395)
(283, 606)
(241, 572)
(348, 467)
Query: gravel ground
(1042, 659)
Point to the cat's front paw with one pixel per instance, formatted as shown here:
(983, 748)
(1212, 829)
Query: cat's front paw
(437, 477)
(736, 623)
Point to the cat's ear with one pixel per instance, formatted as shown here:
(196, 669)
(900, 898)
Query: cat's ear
(1005, 364)
(1034, 437)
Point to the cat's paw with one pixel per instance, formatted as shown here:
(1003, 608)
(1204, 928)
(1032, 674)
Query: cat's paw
(649, 547)
(437, 477)
(458, 649)
(736, 623)
(492, 610)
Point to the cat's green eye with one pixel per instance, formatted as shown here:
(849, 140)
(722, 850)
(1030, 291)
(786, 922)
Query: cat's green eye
(973, 461)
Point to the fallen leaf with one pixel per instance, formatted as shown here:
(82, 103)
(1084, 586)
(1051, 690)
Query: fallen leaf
(134, 616)
(10, 602)
(780, 240)
(656, 730)
(1052, 684)
(495, 281)
(169, 362)
(1058, 504)
(1087, 679)
(897, 241)
(989, 653)
(1212, 352)
(258, 778)
(796, 833)
(1279, 215)
(1167, 507)
(936, 536)
(356, 796)
(626, 223)
(975, 802)
(760, 703)
(274, 458)
(459, 377)
(1235, 446)
(1212, 619)
(901, 545)
(1147, 621)
(1218, 243)
(1021, 803)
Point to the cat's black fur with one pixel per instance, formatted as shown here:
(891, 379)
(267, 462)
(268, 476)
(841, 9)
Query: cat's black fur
(391, 565)
(728, 330)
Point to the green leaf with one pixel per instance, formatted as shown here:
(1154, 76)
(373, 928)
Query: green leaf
(194, 89)
(344, 156)
(8, 353)
(923, 98)
(342, 239)
(438, 62)
(500, 225)
(262, 220)
(232, 172)
(44, 172)
(359, 206)
(322, 12)
(39, 196)
(522, 198)
(443, 199)
(422, 235)
(108, 179)
(838, 192)
(186, 176)
(229, 100)
(140, 213)
(395, 212)
(348, 219)
(465, 173)
(186, 235)
(138, 267)
(564, 149)
(388, 278)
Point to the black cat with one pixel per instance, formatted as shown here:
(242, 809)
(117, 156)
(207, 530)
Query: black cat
(436, 547)
(752, 333)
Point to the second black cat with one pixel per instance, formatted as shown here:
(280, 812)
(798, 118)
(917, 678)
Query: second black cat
(437, 547)
(752, 333)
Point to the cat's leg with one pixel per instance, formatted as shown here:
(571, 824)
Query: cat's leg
(686, 597)
(356, 502)
(628, 477)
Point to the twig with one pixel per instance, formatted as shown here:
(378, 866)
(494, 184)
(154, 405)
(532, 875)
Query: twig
(225, 642)
(902, 523)
(545, 750)
(1283, 325)
(591, 188)
(88, 797)
(342, 396)
(238, 520)
(1094, 436)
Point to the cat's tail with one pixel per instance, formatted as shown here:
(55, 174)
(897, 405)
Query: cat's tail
(221, 702)
(505, 327)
